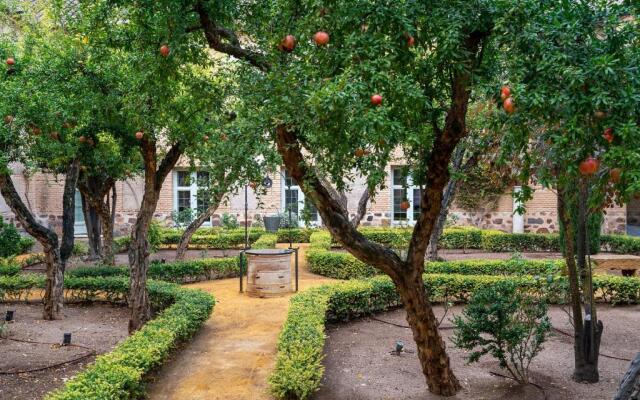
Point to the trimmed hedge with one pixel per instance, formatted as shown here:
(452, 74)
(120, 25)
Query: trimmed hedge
(178, 271)
(298, 235)
(299, 369)
(120, 373)
(345, 266)
(266, 241)
(8, 266)
(620, 244)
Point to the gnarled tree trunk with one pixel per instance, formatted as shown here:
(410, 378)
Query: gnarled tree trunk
(139, 251)
(55, 257)
(95, 190)
(92, 222)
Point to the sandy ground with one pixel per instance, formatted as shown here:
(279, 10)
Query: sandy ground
(233, 354)
(98, 327)
(359, 364)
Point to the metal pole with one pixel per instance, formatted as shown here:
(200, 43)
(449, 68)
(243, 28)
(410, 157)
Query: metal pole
(246, 218)
(289, 223)
(240, 264)
(296, 250)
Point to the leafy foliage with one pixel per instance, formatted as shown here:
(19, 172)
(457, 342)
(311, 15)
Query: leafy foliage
(10, 240)
(507, 324)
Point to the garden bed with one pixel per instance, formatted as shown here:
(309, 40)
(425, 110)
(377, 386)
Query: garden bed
(358, 363)
(98, 327)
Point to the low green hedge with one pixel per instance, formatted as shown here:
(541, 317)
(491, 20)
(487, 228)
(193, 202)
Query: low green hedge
(297, 235)
(8, 266)
(266, 241)
(620, 244)
(119, 374)
(345, 266)
(495, 241)
(299, 369)
(177, 271)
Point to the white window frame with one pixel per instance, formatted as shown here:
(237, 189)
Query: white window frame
(80, 225)
(409, 190)
(301, 200)
(192, 188)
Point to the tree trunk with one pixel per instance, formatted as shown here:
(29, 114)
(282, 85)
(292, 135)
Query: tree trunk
(592, 331)
(55, 257)
(447, 199)
(630, 386)
(92, 223)
(154, 177)
(430, 346)
(583, 370)
(96, 191)
(183, 246)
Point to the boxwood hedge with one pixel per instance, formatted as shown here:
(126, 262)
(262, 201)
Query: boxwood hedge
(120, 373)
(299, 369)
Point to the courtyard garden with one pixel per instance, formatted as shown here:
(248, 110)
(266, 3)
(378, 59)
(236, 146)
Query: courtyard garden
(319, 199)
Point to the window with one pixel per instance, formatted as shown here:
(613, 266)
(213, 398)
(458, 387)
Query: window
(189, 191)
(404, 189)
(294, 199)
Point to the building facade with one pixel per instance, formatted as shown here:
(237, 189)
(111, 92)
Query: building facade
(42, 193)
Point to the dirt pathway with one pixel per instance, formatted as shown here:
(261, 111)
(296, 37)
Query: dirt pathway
(234, 353)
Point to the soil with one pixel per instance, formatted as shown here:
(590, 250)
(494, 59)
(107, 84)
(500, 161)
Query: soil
(359, 363)
(98, 327)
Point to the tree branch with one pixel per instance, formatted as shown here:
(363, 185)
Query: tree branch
(334, 216)
(166, 166)
(45, 236)
(214, 34)
(68, 211)
(443, 148)
(362, 208)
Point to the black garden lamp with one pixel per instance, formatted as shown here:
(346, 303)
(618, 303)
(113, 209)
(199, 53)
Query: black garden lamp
(66, 339)
(9, 316)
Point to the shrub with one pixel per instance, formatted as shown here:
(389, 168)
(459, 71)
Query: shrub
(154, 236)
(9, 267)
(621, 244)
(298, 235)
(506, 323)
(26, 244)
(9, 240)
(337, 265)
(496, 241)
(121, 244)
(229, 221)
(460, 238)
(266, 241)
(80, 249)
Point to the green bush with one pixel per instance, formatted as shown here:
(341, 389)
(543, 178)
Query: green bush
(460, 238)
(9, 240)
(506, 323)
(26, 244)
(298, 235)
(337, 265)
(266, 241)
(9, 267)
(496, 241)
(211, 238)
(121, 244)
(320, 240)
(80, 249)
(620, 244)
